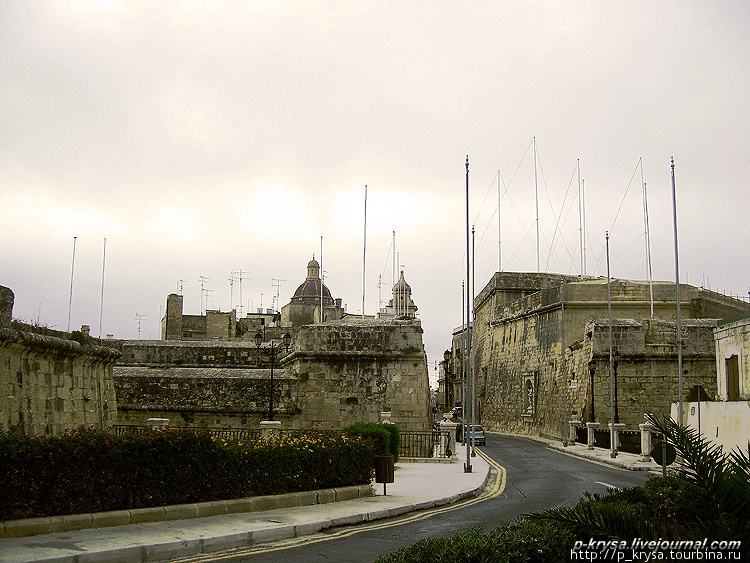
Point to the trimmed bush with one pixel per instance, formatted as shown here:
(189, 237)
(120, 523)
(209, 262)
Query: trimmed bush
(385, 437)
(91, 471)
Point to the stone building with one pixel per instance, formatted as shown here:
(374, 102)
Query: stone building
(214, 325)
(311, 296)
(50, 383)
(537, 334)
(340, 371)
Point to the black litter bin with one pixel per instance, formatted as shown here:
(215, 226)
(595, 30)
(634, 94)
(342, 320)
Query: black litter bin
(384, 470)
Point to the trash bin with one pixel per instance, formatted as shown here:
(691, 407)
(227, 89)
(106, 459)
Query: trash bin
(384, 470)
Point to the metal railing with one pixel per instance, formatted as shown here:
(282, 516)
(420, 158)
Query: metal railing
(229, 434)
(425, 444)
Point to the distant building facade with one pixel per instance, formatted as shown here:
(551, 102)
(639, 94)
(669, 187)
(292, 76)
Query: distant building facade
(541, 348)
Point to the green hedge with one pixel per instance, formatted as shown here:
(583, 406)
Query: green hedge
(91, 471)
(385, 437)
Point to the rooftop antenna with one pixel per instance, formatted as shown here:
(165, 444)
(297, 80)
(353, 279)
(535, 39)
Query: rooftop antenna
(277, 282)
(203, 280)
(72, 268)
(322, 279)
(380, 291)
(101, 303)
(179, 286)
(140, 318)
(238, 276)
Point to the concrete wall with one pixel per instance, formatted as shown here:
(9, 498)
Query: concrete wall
(733, 339)
(724, 423)
(49, 384)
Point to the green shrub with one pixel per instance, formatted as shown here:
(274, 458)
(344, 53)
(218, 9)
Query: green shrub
(385, 437)
(395, 440)
(518, 542)
(91, 471)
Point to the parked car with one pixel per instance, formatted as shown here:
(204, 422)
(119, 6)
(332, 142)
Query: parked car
(477, 433)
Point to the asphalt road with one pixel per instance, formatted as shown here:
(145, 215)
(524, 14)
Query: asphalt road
(536, 478)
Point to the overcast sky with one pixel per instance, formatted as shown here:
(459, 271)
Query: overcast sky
(206, 137)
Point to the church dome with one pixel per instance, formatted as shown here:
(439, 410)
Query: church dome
(309, 290)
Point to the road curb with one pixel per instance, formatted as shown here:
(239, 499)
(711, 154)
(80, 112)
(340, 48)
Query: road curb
(47, 525)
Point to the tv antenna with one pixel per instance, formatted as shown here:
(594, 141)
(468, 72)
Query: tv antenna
(140, 318)
(277, 283)
(238, 276)
(204, 291)
(179, 286)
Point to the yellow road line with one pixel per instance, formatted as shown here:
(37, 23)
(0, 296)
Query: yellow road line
(495, 490)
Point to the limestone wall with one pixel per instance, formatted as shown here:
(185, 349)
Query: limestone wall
(49, 384)
(647, 379)
(349, 371)
(207, 396)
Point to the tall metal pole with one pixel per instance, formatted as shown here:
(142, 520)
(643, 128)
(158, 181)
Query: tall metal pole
(364, 255)
(467, 465)
(473, 370)
(580, 215)
(613, 450)
(72, 268)
(647, 234)
(562, 365)
(583, 198)
(677, 283)
(499, 224)
(536, 199)
(101, 304)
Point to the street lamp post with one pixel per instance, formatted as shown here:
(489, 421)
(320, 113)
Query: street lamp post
(592, 371)
(272, 351)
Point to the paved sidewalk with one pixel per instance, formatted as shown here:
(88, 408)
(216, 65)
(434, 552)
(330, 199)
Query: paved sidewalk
(416, 486)
(624, 460)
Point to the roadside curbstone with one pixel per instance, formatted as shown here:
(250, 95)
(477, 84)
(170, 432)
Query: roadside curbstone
(271, 534)
(225, 541)
(139, 515)
(171, 550)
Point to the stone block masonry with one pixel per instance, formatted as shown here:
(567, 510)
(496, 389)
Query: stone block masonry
(49, 383)
(350, 370)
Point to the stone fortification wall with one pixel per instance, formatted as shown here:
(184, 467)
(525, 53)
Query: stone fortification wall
(50, 384)
(227, 397)
(646, 358)
(335, 374)
(348, 371)
(189, 354)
